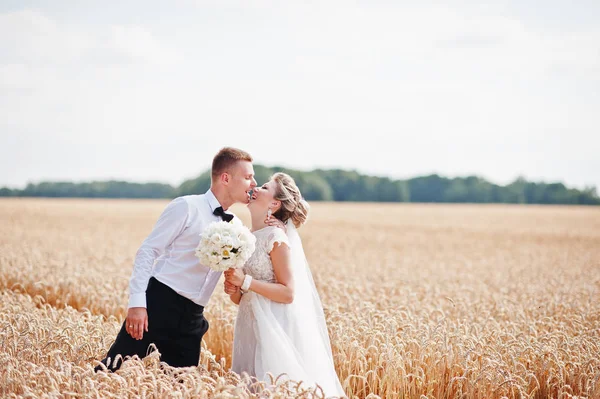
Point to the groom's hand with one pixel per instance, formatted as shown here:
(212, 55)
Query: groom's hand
(273, 221)
(136, 322)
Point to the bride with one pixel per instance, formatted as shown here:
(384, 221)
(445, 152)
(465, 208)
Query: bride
(280, 326)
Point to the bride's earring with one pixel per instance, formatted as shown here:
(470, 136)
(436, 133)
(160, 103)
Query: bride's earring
(269, 213)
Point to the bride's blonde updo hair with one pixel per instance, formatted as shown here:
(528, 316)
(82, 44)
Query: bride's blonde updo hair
(293, 206)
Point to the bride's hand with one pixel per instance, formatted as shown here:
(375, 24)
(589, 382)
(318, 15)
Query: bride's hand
(235, 277)
(230, 289)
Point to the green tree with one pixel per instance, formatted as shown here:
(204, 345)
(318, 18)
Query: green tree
(338, 185)
(7, 192)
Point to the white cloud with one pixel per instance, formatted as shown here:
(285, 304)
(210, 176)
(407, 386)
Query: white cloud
(136, 42)
(37, 51)
(383, 87)
(30, 37)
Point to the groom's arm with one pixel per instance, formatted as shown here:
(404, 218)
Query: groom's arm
(235, 294)
(169, 226)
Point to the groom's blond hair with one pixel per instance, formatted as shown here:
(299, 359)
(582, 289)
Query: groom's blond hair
(226, 158)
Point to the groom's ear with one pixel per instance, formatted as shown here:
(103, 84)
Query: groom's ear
(225, 178)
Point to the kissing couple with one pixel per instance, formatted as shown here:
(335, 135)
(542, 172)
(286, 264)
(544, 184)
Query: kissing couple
(280, 326)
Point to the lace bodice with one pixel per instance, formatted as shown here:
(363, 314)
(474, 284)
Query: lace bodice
(259, 265)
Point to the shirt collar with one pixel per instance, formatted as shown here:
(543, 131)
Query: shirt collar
(212, 200)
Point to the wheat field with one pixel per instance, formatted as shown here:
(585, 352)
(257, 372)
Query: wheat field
(422, 301)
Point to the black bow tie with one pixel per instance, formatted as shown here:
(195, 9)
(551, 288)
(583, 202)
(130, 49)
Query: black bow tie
(224, 216)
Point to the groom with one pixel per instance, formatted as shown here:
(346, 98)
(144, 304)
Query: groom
(169, 288)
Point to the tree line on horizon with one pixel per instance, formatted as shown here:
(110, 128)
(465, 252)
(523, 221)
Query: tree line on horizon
(337, 185)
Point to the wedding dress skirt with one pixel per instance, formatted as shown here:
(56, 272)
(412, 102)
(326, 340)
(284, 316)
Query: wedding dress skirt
(277, 338)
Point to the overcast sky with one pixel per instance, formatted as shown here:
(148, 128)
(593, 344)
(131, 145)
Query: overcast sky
(149, 90)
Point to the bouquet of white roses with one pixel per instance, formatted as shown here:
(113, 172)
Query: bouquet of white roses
(224, 245)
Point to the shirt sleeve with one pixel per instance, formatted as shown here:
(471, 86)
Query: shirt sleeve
(169, 226)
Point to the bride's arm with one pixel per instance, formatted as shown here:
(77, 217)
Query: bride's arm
(283, 290)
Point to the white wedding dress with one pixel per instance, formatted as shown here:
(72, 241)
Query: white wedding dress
(277, 338)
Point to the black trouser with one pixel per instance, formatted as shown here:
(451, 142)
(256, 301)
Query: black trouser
(175, 325)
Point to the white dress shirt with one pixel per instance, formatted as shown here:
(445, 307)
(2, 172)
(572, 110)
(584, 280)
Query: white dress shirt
(168, 253)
